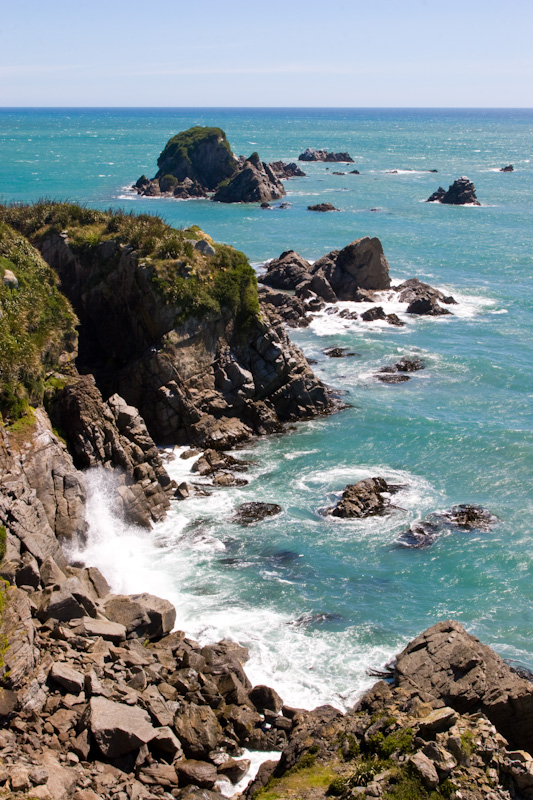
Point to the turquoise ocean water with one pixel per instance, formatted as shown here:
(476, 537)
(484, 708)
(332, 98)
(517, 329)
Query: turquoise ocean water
(320, 600)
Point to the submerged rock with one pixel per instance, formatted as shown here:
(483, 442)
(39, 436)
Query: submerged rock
(460, 193)
(464, 517)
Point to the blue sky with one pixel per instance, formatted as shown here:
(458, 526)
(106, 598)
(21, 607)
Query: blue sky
(419, 53)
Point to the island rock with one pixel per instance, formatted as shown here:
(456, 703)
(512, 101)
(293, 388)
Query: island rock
(461, 192)
(323, 155)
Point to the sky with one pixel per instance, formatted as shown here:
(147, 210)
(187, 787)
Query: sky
(336, 53)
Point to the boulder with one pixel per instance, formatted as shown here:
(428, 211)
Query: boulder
(373, 314)
(413, 289)
(449, 664)
(264, 697)
(255, 182)
(363, 499)
(70, 679)
(118, 729)
(141, 614)
(461, 192)
(199, 773)
(198, 730)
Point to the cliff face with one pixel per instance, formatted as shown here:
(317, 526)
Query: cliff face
(212, 372)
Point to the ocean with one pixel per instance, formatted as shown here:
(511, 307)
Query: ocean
(320, 601)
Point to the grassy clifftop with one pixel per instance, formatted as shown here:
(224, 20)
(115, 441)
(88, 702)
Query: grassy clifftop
(37, 324)
(194, 282)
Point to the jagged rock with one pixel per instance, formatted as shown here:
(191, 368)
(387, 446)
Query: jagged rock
(109, 631)
(470, 517)
(363, 499)
(405, 364)
(424, 767)
(287, 271)
(291, 309)
(28, 573)
(113, 434)
(323, 155)
(461, 192)
(359, 265)
(464, 517)
(117, 728)
(450, 664)
(414, 289)
(427, 306)
(255, 182)
(373, 314)
(508, 168)
(323, 207)
(284, 171)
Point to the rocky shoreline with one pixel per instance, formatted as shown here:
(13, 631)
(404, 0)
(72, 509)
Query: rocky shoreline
(99, 697)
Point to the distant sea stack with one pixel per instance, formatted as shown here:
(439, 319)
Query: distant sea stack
(200, 161)
(323, 155)
(462, 192)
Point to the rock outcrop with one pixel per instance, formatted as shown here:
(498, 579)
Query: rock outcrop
(323, 155)
(339, 275)
(114, 435)
(460, 193)
(322, 207)
(363, 499)
(255, 182)
(284, 171)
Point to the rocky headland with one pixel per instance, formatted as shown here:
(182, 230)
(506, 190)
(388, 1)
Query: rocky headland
(117, 333)
(199, 162)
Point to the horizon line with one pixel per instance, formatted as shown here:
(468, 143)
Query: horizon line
(271, 108)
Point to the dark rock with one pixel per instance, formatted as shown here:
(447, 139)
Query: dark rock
(254, 182)
(394, 319)
(470, 517)
(419, 535)
(404, 365)
(508, 168)
(413, 289)
(197, 729)
(354, 172)
(247, 513)
(323, 155)
(361, 265)
(373, 314)
(284, 171)
(287, 271)
(427, 306)
(290, 308)
(323, 207)
(393, 378)
(363, 499)
(338, 173)
(461, 192)
(263, 697)
(337, 352)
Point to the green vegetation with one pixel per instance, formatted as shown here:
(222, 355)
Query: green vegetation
(196, 284)
(182, 145)
(296, 783)
(349, 746)
(37, 325)
(3, 543)
(468, 742)
(397, 741)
